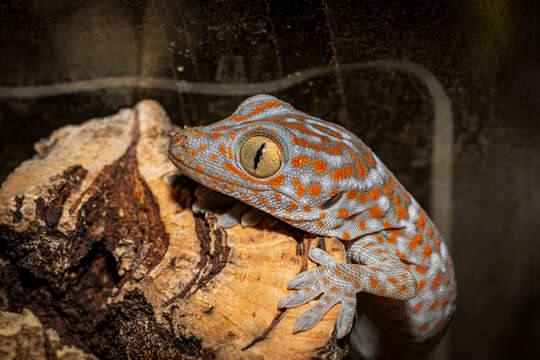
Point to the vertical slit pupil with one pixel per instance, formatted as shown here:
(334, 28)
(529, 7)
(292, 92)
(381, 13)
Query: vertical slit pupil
(258, 156)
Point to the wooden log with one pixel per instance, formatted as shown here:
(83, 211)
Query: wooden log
(99, 241)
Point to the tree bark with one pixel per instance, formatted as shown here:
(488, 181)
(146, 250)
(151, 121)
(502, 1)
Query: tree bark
(97, 239)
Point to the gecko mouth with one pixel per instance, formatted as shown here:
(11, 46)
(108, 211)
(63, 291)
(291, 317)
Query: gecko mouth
(202, 175)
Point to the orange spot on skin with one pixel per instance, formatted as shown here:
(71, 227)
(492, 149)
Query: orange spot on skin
(374, 283)
(421, 285)
(319, 223)
(319, 166)
(258, 109)
(388, 190)
(322, 215)
(369, 159)
(444, 302)
(222, 149)
(293, 205)
(342, 174)
(437, 281)
(263, 201)
(393, 281)
(415, 242)
(379, 239)
(362, 225)
(307, 208)
(300, 189)
(315, 190)
(277, 196)
(299, 161)
(203, 147)
(447, 279)
(199, 132)
(401, 212)
(303, 129)
(397, 202)
(416, 308)
(343, 213)
(351, 194)
(340, 145)
(216, 135)
(400, 255)
(437, 244)
(233, 134)
(362, 197)
(405, 195)
(213, 157)
(427, 251)
(430, 232)
(402, 288)
(375, 194)
(421, 269)
(423, 327)
(434, 306)
(392, 239)
(277, 181)
(231, 157)
(221, 128)
(386, 225)
(271, 209)
(361, 169)
(255, 192)
(346, 236)
(193, 153)
(375, 212)
(422, 221)
(316, 147)
(326, 281)
(368, 245)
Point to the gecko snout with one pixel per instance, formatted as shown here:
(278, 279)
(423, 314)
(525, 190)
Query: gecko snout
(177, 146)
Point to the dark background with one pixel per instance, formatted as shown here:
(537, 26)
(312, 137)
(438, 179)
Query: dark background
(486, 54)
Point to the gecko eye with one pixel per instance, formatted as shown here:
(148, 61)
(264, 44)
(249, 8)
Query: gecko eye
(261, 156)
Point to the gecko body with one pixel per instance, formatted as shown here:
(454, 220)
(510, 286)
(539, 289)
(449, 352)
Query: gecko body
(321, 178)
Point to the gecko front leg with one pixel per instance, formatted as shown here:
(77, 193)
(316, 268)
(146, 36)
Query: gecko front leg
(379, 272)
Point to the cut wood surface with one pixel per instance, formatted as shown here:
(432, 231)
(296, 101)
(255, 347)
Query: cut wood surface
(99, 242)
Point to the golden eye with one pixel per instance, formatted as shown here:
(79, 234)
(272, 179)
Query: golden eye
(261, 156)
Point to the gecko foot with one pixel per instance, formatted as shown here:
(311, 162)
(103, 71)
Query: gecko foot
(338, 282)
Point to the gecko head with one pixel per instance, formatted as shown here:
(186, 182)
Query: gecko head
(273, 157)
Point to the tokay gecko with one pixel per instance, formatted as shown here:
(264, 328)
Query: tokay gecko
(319, 177)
